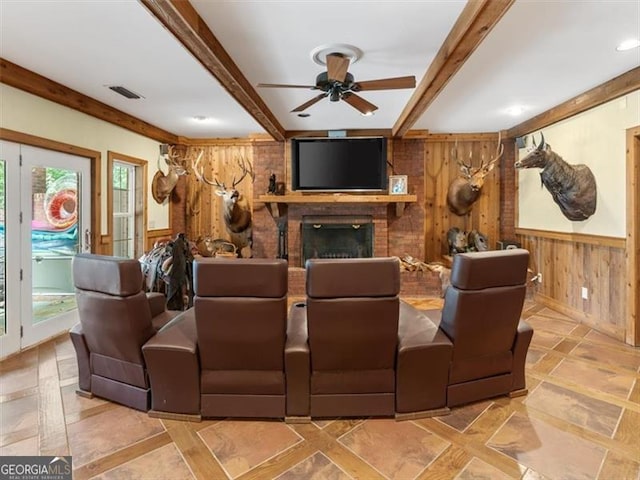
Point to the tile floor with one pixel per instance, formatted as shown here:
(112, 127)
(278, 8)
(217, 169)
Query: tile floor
(580, 420)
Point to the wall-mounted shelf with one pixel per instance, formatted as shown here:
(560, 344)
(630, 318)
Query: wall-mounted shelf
(276, 202)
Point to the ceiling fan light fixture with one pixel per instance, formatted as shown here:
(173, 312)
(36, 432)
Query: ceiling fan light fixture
(368, 114)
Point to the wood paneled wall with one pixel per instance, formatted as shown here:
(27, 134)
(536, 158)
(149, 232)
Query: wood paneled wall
(203, 206)
(203, 214)
(439, 171)
(568, 266)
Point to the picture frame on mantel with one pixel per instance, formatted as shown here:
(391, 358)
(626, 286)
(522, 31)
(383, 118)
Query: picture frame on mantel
(398, 184)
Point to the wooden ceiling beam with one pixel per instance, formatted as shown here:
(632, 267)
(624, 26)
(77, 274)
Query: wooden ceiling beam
(31, 82)
(474, 23)
(614, 88)
(182, 20)
(350, 132)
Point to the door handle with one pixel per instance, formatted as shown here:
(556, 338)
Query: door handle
(87, 240)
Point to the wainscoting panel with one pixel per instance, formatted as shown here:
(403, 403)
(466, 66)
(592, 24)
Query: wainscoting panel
(567, 267)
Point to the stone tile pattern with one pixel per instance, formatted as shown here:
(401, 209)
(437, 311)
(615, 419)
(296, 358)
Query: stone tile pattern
(579, 421)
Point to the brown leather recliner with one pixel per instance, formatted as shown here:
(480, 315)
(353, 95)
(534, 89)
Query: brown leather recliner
(116, 318)
(240, 311)
(352, 312)
(481, 316)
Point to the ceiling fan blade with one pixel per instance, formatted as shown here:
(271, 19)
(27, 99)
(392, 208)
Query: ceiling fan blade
(308, 103)
(386, 84)
(282, 85)
(359, 103)
(337, 66)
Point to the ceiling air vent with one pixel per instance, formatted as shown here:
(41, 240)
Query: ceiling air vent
(125, 92)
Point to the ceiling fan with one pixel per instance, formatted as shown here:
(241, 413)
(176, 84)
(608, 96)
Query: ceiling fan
(338, 84)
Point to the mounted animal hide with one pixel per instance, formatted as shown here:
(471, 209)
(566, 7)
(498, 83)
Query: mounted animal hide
(573, 187)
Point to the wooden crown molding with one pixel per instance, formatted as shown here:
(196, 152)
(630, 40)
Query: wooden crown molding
(182, 20)
(31, 82)
(614, 88)
(474, 23)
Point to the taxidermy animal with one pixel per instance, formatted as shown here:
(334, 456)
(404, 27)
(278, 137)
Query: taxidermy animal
(464, 190)
(236, 208)
(457, 240)
(163, 184)
(476, 242)
(573, 187)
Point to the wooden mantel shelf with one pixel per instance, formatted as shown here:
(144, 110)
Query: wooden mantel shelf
(275, 201)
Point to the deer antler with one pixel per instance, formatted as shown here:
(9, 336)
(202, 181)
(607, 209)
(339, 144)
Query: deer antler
(245, 169)
(200, 176)
(499, 151)
(171, 159)
(464, 167)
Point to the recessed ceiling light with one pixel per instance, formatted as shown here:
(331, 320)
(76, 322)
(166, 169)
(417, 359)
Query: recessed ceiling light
(304, 115)
(628, 44)
(204, 120)
(516, 110)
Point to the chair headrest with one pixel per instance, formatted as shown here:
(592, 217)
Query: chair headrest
(495, 268)
(353, 277)
(110, 275)
(240, 277)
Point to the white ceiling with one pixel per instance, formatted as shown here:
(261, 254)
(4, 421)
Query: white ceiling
(540, 54)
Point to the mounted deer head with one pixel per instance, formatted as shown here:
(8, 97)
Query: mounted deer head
(236, 207)
(465, 189)
(163, 184)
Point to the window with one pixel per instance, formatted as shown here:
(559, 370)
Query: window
(123, 210)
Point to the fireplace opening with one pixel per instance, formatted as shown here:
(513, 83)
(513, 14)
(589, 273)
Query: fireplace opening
(336, 236)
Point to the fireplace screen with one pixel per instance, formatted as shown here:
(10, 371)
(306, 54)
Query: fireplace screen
(336, 236)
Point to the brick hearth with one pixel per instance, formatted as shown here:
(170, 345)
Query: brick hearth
(412, 284)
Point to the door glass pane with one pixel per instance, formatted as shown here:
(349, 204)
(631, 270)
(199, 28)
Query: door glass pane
(123, 210)
(54, 240)
(3, 318)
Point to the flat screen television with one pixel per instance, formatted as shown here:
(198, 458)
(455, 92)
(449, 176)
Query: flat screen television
(339, 164)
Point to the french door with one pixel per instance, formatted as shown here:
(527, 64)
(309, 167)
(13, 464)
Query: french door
(47, 205)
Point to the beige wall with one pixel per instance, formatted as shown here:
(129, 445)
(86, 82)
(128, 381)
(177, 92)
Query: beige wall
(596, 138)
(26, 113)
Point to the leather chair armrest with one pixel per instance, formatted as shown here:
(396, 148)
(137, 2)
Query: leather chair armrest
(173, 366)
(160, 316)
(297, 362)
(157, 303)
(422, 367)
(520, 348)
(82, 354)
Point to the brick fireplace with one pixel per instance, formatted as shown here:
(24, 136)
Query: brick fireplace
(336, 236)
(375, 216)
